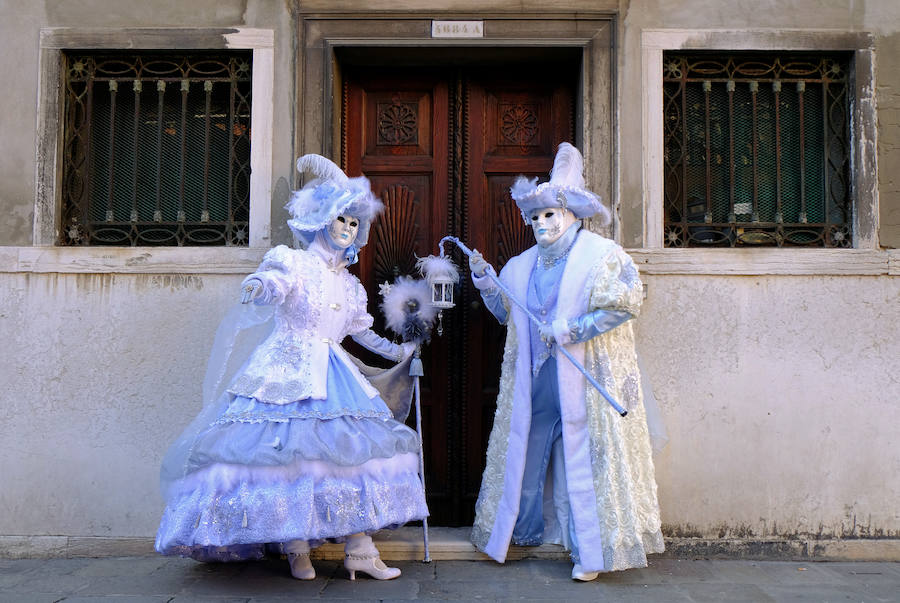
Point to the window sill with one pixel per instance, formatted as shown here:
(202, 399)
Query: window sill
(750, 262)
(243, 260)
(131, 260)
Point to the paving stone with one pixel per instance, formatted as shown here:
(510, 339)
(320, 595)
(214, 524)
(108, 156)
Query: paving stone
(7, 597)
(116, 599)
(512, 570)
(141, 579)
(196, 599)
(718, 592)
(826, 594)
(133, 584)
(769, 572)
(119, 566)
(869, 573)
(50, 582)
(365, 587)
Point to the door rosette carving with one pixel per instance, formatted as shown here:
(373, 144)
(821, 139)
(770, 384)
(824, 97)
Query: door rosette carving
(518, 123)
(398, 123)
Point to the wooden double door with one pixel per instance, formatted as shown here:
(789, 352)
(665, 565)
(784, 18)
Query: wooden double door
(441, 147)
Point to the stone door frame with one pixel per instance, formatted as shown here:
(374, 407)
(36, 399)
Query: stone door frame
(318, 76)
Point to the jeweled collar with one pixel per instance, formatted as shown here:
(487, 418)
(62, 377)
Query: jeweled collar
(557, 251)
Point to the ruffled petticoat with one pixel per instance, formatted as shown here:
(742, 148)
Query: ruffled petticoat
(312, 470)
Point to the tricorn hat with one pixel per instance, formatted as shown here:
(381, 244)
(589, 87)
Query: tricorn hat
(565, 189)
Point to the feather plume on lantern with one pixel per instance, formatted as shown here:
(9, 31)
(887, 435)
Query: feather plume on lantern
(407, 308)
(433, 266)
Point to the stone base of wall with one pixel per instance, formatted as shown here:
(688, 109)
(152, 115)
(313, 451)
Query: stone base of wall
(446, 544)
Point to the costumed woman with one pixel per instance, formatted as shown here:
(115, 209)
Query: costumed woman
(300, 448)
(600, 497)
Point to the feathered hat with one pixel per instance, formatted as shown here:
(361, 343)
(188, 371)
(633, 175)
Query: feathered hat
(565, 188)
(329, 194)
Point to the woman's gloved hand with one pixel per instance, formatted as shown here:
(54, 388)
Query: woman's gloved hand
(250, 290)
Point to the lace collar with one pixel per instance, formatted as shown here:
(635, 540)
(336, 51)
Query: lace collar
(557, 251)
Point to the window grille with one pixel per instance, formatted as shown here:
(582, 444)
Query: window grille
(156, 149)
(756, 150)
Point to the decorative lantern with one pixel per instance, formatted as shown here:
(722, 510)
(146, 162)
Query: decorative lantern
(441, 275)
(442, 292)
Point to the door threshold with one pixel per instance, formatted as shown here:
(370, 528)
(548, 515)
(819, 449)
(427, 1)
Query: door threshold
(444, 544)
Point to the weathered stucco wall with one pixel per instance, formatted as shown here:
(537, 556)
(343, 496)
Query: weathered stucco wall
(100, 374)
(20, 25)
(779, 394)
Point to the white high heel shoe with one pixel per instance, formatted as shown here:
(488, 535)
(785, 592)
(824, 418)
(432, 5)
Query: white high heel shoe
(373, 566)
(301, 566)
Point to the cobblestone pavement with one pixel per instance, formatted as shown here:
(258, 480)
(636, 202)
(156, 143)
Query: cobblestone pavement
(173, 580)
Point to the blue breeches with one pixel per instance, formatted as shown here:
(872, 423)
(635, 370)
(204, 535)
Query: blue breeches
(546, 430)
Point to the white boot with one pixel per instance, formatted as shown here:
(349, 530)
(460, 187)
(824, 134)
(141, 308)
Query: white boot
(579, 574)
(298, 556)
(361, 555)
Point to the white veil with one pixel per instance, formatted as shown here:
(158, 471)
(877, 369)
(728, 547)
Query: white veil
(242, 329)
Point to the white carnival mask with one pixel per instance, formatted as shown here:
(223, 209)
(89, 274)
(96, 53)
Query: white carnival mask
(549, 224)
(343, 230)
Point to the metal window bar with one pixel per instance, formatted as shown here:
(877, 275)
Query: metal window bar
(776, 92)
(160, 92)
(171, 172)
(136, 87)
(113, 89)
(204, 213)
(185, 88)
(731, 164)
(801, 88)
(231, 101)
(769, 145)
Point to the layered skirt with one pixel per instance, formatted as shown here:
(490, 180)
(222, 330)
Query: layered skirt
(247, 474)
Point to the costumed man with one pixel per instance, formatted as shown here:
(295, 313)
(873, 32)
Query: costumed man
(599, 500)
(300, 447)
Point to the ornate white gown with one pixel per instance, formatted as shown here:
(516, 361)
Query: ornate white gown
(300, 446)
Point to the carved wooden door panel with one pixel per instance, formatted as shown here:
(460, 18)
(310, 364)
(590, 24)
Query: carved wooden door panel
(441, 148)
(514, 124)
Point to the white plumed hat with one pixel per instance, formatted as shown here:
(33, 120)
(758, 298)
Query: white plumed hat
(329, 194)
(565, 189)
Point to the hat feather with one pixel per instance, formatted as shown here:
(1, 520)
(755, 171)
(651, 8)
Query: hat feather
(322, 167)
(568, 167)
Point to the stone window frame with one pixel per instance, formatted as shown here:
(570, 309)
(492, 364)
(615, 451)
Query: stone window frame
(55, 41)
(864, 258)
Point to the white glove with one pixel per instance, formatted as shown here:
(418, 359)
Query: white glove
(546, 331)
(251, 289)
(477, 263)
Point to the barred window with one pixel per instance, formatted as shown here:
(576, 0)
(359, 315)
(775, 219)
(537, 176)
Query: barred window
(156, 149)
(757, 149)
